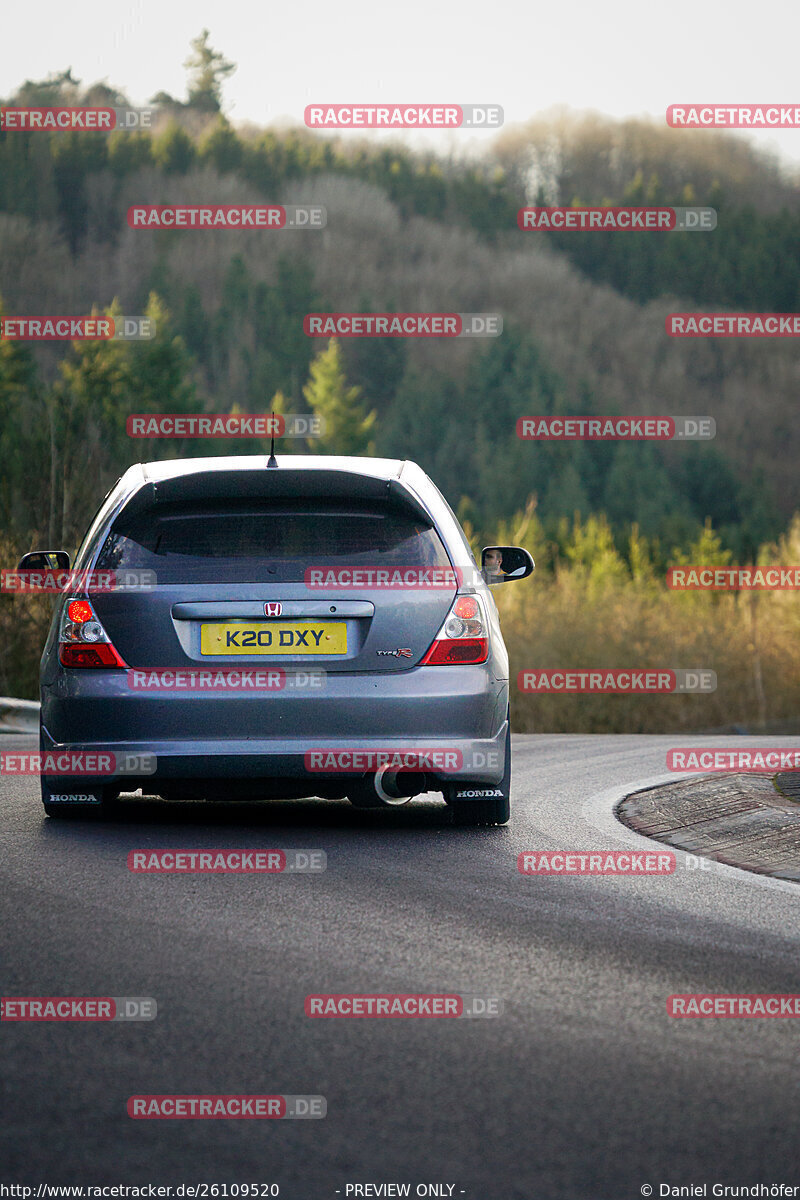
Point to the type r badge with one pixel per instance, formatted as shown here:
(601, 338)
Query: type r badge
(401, 652)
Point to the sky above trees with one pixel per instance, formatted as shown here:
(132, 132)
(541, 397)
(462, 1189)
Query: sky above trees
(629, 59)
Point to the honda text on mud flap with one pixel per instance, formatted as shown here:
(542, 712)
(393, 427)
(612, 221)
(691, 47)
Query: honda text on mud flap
(351, 574)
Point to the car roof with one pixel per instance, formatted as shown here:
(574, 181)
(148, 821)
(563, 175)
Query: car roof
(375, 468)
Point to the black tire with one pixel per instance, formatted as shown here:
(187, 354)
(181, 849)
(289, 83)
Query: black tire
(494, 809)
(100, 799)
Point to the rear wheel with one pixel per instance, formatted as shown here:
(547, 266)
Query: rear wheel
(481, 803)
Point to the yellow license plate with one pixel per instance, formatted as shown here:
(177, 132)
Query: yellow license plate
(278, 637)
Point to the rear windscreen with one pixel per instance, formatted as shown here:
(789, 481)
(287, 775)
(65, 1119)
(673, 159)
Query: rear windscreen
(267, 542)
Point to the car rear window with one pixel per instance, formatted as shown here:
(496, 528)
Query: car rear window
(267, 542)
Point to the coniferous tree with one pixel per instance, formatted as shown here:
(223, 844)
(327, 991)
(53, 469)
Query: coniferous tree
(207, 71)
(347, 424)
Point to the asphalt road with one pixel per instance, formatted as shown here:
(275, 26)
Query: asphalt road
(584, 1087)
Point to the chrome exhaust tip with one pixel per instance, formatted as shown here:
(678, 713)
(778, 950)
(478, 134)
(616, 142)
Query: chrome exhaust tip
(395, 788)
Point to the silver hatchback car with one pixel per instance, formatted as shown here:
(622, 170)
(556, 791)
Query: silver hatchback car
(309, 626)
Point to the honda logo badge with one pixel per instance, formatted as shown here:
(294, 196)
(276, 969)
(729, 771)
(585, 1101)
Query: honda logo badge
(273, 609)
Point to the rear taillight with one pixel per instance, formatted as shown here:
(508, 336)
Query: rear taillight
(82, 641)
(464, 637)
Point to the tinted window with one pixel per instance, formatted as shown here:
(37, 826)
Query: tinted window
(261, 542)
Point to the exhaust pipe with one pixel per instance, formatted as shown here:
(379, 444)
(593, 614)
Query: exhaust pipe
(395, 788)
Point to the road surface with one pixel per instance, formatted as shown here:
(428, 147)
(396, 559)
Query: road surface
(582, 1088)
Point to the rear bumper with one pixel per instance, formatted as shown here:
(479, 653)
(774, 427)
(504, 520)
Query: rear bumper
(475, 760)
(458, 712)
(445, 760)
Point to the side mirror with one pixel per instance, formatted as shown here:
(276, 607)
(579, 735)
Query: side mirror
(499, 564)
(44, 560)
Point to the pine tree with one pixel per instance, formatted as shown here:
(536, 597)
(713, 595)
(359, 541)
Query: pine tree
(159, 372)
(208, 68)
(347, 426)
(173, 150)
(90, 391)
(220, 147)
(22, 439)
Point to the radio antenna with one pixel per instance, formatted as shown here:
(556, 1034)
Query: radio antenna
(273, 462)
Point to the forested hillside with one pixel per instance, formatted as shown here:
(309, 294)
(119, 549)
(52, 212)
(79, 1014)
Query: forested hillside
(583, 324)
